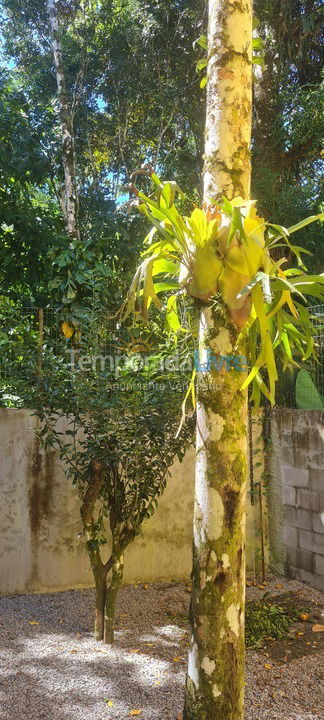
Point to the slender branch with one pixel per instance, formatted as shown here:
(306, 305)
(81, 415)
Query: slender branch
(163, 131)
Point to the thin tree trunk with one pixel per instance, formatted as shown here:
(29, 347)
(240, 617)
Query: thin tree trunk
(111, 598)
(101, 592)
(215, 680)
(98, 568)
(70, 204)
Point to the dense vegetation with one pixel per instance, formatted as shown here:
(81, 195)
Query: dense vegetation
(134, 95)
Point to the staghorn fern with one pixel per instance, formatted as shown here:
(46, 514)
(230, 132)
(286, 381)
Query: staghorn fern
(223, 254)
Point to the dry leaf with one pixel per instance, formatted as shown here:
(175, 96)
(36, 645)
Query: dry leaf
(268, 666)
(278, 586)
(33, 622)
(73, 651)
(134, 651)
(177, 659)
(304, 616)
(145, 587)
(135, 712)
(318, 628)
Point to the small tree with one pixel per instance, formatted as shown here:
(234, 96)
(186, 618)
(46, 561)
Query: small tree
(118, 448)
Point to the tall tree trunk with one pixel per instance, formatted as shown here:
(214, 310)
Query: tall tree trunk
(215, 680)
(70, 203)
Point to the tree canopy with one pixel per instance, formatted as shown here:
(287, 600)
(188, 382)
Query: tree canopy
(135, 97)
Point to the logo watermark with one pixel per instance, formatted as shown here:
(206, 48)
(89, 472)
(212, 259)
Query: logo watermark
(220, 363)
(116, 363)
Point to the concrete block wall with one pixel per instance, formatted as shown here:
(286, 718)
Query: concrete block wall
(298, 444)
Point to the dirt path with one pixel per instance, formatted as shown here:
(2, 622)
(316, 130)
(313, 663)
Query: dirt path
(51, 668)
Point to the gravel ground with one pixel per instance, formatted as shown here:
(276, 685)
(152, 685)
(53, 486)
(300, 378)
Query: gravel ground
(52, 668)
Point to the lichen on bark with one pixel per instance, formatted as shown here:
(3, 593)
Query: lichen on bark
(229, 99)
(214, 683)
(215, 680)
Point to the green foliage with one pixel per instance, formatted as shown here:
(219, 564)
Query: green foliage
(124, 419)
(100, 398)
(307, 395)
(130, 73)
(110, 52)
(226, 255)
(264, 620)
(288, 119)
(96, 270)
(20, 349)
(29, 217)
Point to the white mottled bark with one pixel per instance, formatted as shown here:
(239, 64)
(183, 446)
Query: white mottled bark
(70, 204)
(215, 680)
(229, 99)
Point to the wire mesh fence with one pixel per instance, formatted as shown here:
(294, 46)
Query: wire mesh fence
(39, 344)
(32, 337)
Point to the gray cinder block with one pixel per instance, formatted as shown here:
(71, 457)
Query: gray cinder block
(296, 476)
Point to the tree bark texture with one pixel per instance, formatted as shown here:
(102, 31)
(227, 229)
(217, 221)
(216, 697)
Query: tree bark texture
(215, 679)
(229, 100)
(100, 577)
(98, 568)
(111, 597)
(70, 204)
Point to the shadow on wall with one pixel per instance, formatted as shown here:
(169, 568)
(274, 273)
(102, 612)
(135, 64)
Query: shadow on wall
(40, 547)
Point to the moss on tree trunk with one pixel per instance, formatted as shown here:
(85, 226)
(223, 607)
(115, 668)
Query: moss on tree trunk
(215, 679)
(216, 658)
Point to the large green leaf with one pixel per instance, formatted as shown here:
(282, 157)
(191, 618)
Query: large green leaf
(307, 395)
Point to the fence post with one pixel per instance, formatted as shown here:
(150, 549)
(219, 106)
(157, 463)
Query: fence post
(40, 340)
